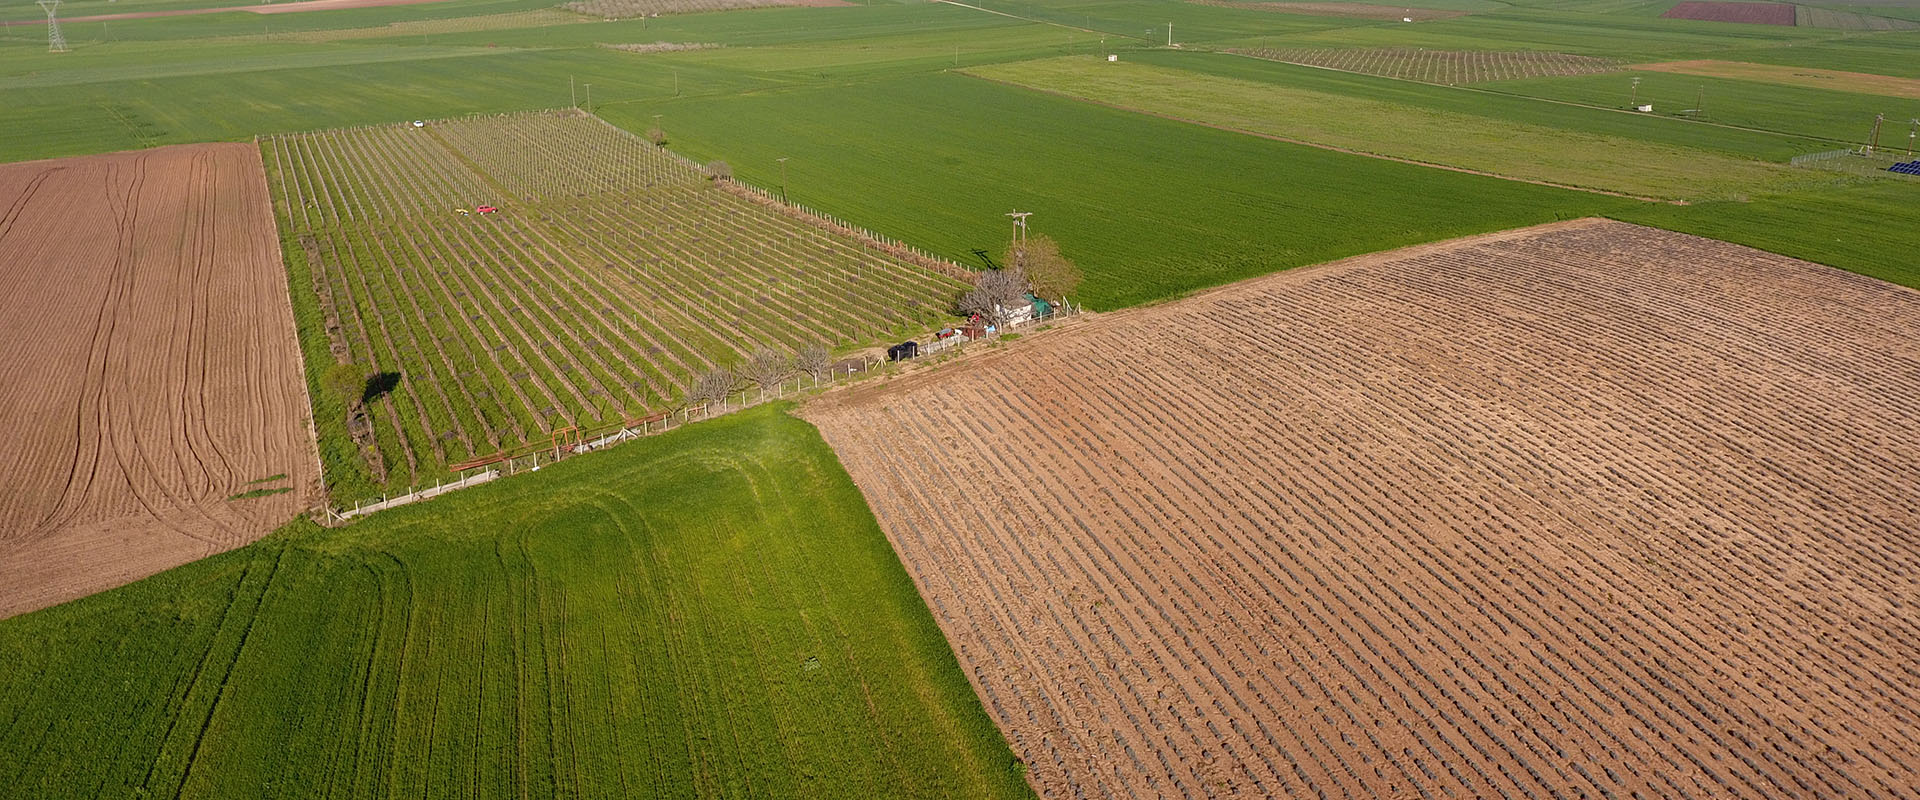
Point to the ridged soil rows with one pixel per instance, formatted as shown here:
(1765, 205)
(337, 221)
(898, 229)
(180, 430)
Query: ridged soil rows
(1588, 510)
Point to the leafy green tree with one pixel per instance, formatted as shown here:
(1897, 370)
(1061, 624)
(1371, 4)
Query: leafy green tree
(1052, 275)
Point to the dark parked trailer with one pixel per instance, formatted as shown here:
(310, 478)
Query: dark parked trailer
(903, 351)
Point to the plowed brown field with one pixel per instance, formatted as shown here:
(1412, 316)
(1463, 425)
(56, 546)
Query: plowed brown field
(1587, 510)
(148, 368)
(1760, 13)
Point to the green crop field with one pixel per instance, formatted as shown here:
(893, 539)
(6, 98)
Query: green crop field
(611, 277)
(1483, 143)
(1833, 117)
(1498, 108)
(1119, 190)
(713, 612)
(709, 613)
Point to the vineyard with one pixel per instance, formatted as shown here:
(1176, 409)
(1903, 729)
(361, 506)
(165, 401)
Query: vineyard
(626, 9)
(612, 275)
(1449, 67)
(1336, 9)
(1755, 13)
(1587, 510)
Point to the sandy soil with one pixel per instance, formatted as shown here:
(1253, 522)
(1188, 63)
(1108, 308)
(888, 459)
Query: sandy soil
(1863, 82)
(148, 369)
(1586, 510)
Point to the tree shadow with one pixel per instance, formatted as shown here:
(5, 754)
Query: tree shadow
(379, 385)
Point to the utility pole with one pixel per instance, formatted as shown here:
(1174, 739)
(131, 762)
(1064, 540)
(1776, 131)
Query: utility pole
(1169, 34)
(572, 99)
(589, 98)
(1020, 236)
(1700, 101)
(676, 81)
(783, 177)
(1874, 144)
(1912, 126)
(56, 41)
(1635, 102)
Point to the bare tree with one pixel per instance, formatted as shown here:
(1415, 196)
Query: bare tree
(656, 136)
(720, 170)
(814, 359)
(1053, 275)
(995, 295)
(712, 386)
(767, 367)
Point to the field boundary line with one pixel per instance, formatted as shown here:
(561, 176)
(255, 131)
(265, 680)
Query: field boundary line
(1038, 21)
(818, 219)
(827, 222)
(1259, 283)
(750, 397)
(1321, 146)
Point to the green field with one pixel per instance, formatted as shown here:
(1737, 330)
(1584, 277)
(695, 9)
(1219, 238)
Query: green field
(1150, 208)
(1487, 143)
(1836, 119)
(1496, 108)
(714, 613)
(709, 613)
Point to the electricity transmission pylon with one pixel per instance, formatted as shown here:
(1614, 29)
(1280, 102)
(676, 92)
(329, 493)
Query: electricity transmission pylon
(56, 42)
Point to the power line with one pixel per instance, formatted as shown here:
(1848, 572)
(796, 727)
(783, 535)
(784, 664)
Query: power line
(56, 41)
(1020, 236)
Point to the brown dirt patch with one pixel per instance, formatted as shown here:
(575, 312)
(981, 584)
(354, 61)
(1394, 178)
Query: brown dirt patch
(1583, 510)
(150, 370)
(1448, 67)
(1354, 10)
(1756, 13)
(626, 9)
(1862, 82)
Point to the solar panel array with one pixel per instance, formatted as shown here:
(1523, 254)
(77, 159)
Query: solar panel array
(1906, 168)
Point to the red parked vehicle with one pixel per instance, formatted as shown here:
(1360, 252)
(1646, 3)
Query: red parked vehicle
(486, 209)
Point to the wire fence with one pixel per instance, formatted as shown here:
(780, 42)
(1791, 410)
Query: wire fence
(1857, 161)
(738, 400)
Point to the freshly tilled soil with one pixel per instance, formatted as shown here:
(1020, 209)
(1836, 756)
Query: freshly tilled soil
(1586, 510)
(148, 369)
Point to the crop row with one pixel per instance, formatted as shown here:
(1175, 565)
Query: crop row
(624, 9)
(1450, 67)
(612, 275)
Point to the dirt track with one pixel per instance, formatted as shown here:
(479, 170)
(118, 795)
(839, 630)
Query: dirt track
(148, 368)
(1589, 510)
